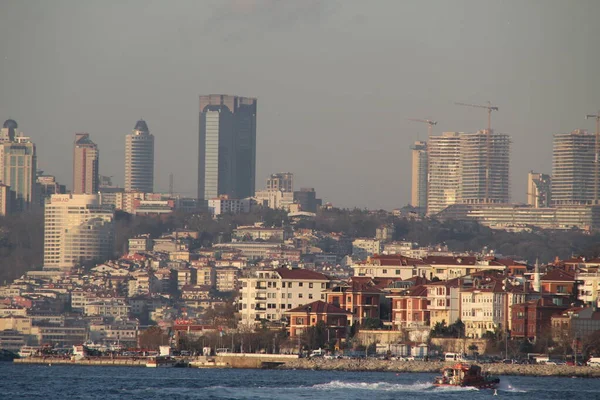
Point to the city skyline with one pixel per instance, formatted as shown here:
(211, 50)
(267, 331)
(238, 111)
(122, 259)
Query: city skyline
(334, 94)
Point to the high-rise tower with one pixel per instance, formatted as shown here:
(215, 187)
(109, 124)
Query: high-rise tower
(484, 164)
(573, 163)
(443, 170)
(227, 146)
(18, 165)
(139, 159)
(419, 176)
(85, 165)
(78, 228)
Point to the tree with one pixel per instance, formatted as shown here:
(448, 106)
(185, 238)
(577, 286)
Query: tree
(152, 338)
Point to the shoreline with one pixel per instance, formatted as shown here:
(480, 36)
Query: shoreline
(366, 365)
(347, 365)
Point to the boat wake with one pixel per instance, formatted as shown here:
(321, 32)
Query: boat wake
(387, 387)
(506, 386)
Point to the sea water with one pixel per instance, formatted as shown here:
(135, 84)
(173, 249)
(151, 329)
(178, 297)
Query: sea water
(78, 382)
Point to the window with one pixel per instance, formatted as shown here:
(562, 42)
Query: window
(300, 284)
(310, 296)
(397, 272)
(310, 285)
(299, 295)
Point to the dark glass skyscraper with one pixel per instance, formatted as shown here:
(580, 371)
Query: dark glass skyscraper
(227, 146)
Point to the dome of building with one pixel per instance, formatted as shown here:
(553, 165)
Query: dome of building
(141, 126)
(10, 124)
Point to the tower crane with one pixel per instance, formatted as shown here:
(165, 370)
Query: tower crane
(489, 107)
(425, 121)
(596, 154)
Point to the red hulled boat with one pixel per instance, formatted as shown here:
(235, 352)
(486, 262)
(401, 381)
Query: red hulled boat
(466, 375)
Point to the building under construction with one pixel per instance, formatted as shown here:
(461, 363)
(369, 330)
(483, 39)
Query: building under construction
(573, 168)
(468, 168)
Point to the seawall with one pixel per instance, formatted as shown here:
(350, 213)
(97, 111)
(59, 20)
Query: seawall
(434, 367)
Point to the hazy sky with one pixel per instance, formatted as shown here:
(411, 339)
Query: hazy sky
(335, 81)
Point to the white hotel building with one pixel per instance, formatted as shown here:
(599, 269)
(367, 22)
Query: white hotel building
(77, 228)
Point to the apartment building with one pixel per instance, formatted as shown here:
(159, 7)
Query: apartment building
(267, 294)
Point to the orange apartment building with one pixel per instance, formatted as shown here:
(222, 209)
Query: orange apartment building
(359, 296)
(308, 315)
(409, 308)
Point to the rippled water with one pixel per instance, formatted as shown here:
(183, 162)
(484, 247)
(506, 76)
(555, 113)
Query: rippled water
(70, 382)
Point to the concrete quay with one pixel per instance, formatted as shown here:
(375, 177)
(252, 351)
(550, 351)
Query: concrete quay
(107, 362)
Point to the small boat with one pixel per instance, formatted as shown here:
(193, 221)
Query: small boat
(161, 362)
(466, 375)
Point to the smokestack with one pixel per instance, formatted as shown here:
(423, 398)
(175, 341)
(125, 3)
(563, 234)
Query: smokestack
(537, 287)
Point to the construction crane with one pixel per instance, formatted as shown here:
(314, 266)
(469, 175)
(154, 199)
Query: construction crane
(425, 121)
(489, 107)
(596, 154)
(488, 143)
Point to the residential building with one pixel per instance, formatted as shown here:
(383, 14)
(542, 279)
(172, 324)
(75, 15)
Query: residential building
(394, 267)
(259, 233)
(336, 320)
(449, 267)
(226, 279)
(11, 340)
(77, 228)
(252, 250)
(140, 244)
(483, 309)
(409, 307)
(384, 233)
(444, 301)
(85, 165)
(359, 296)
(139, 159)
(186, 277)
(363, 248)
(225, 205)
(533, 319)
(276, 200)
(575, 323)
(227, 147)
(418, 198)
(107, 308)
(558, 281)
(281, 181)
(206, 275)
(267, 294)
(539, 190)
(589, 289)
(573, 168)
(18, 166)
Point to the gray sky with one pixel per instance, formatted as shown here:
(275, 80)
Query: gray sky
(335, 81)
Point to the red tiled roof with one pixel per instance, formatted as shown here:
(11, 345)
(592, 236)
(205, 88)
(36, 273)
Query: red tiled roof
(558, 275)
(449, 260)
(318, 307)
(299, 273)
